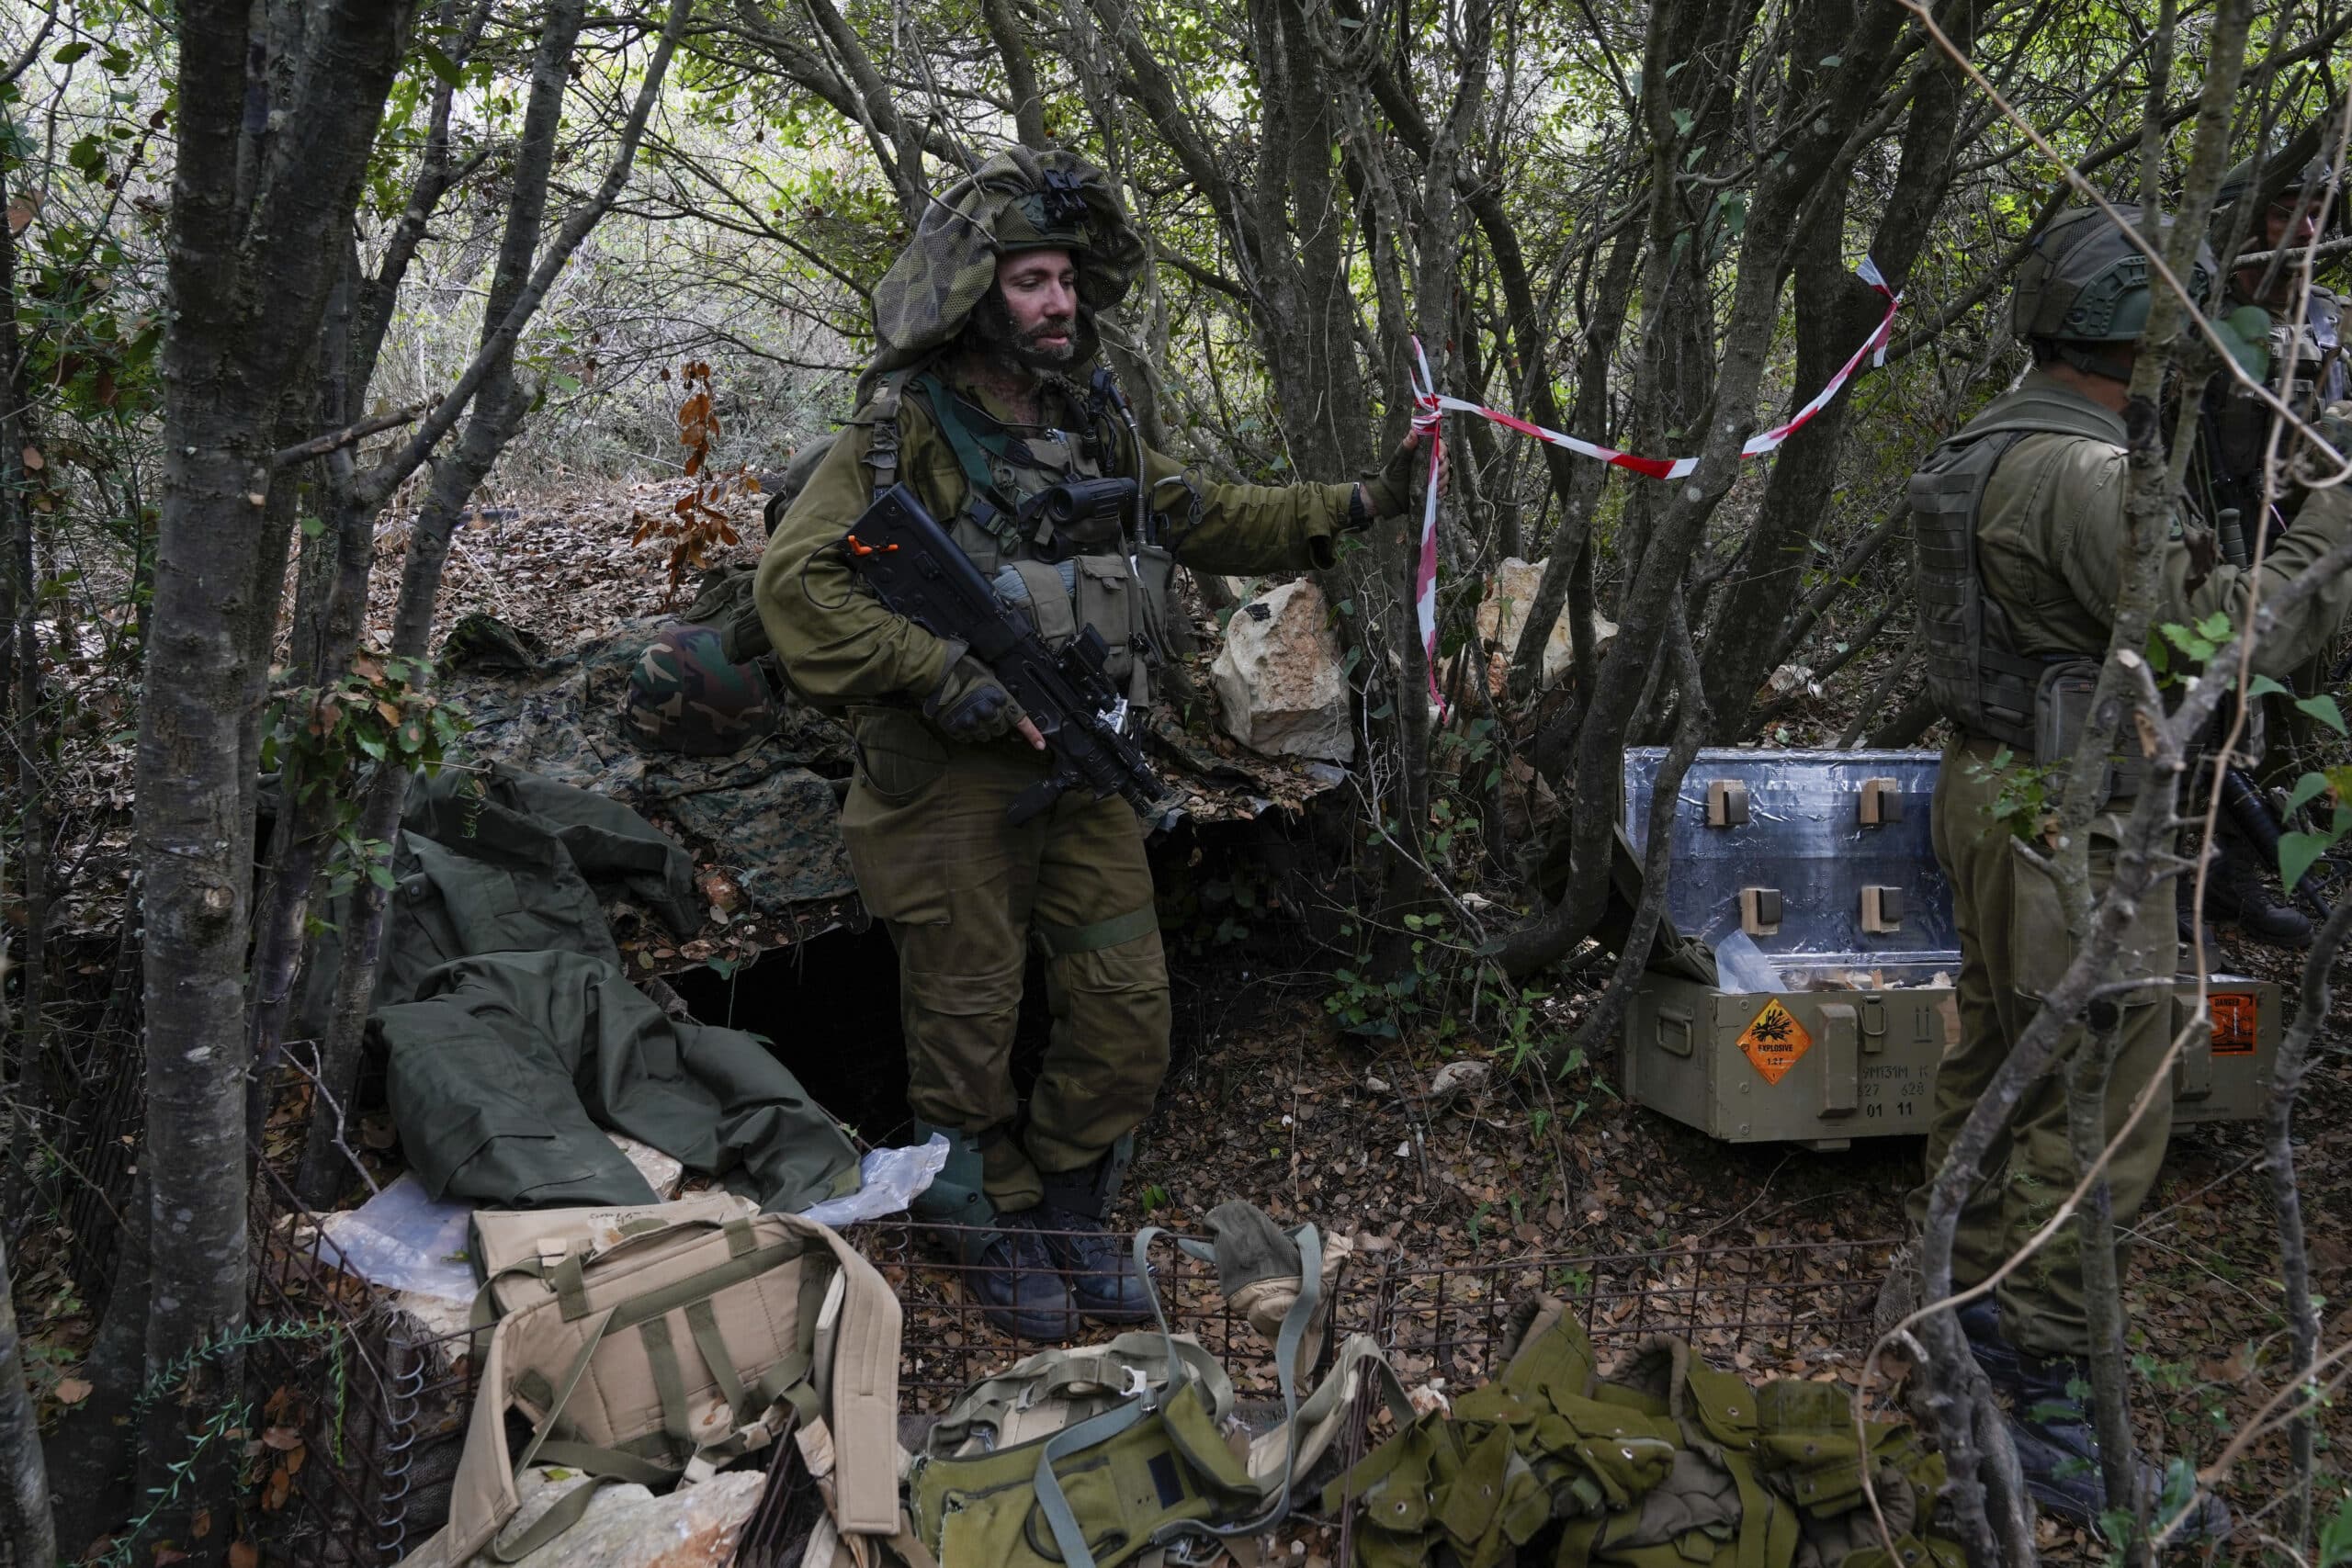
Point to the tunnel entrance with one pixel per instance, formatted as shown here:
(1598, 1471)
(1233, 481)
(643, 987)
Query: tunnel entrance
(828, 1005)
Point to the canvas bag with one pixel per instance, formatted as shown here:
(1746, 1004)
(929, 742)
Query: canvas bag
(657, 1344)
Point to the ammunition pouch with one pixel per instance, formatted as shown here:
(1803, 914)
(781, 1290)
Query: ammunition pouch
(2061, 706)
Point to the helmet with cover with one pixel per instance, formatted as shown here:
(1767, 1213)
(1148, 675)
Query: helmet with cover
(2086, 282)
(1020, 199)
(685, 695)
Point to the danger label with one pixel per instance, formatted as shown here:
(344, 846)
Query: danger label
(2237, 1015)
(1774, 1040)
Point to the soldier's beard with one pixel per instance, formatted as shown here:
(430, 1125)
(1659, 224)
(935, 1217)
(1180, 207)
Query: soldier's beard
(992, 334)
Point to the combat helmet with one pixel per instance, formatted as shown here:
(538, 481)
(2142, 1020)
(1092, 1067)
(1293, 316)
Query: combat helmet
(2234, 199)
(1020, 199)
(2086, 282)
(684, 695)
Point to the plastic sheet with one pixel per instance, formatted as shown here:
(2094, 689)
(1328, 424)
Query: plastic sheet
(403, 1240)
(891, 1178)
(1740, 964)
(1804, 838)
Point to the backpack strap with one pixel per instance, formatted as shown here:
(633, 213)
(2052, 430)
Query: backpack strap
(973, 449)
(882, 416)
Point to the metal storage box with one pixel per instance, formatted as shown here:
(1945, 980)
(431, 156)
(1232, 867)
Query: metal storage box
(1819, 865)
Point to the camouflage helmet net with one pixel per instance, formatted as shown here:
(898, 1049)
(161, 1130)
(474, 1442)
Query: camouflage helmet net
(1020, 199)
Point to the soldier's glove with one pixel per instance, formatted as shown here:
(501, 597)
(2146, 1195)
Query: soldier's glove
(1392, 490)
(2335, 427)
(970, 704)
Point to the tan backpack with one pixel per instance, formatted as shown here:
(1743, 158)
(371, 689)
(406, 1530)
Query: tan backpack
(658, 1344)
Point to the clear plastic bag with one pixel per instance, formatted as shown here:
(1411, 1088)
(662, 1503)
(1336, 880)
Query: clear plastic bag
(889, 1181)
(1741, 966)
(403, 1240)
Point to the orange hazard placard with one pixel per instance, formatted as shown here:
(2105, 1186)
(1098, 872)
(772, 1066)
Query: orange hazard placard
(2237, 1015)
(1774, 1040)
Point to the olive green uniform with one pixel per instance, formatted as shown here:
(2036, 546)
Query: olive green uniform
(963, 891)
(2051, 542)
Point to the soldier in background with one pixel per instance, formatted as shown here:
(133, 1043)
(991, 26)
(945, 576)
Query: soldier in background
(2308, 372)
(2020, 532)
(979, 400)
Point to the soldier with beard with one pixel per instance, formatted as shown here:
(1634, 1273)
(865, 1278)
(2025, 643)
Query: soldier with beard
(982, 397)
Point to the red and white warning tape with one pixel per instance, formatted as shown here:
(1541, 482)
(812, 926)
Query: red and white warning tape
(1429, 405)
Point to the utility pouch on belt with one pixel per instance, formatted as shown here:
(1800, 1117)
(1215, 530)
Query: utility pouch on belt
(2062, 706)
(658, 1344)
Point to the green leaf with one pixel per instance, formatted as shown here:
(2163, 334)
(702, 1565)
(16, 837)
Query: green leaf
(2245, 332)
(381, 875)
(2322, 708)
(1683, 122)
(67, 53)
(2309, 787)
(313, 526)
(564, 383)
(1831, 61)
(2296, 853)
(2264, 686)
(2215, 626)
(2336, 1541)
(440, 64)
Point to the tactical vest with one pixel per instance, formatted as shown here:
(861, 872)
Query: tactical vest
(1976, 677)
(1064, 574)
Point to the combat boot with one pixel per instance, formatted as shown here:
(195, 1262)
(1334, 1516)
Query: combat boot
(1104, 1284)
(1004, 1261)
(2058, 1451)
(1980, 1320)
(2237, 889)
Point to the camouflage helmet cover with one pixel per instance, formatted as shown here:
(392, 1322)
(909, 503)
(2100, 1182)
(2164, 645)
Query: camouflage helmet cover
(1021, 199)
(683, 695)
(2085, 280)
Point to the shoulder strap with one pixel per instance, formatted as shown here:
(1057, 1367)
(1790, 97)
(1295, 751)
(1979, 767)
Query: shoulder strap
(971, 456)
(881, 412)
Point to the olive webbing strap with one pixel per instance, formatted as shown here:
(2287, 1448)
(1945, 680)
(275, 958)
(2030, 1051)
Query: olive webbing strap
(1055, 1507)
(669, 1380)
(702, 1322)
(1287, 1343)
(542, 1530)
(1061, 942)
(972, 451)
(1068, 1538)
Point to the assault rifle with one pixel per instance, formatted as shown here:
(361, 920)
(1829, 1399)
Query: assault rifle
(900, 549)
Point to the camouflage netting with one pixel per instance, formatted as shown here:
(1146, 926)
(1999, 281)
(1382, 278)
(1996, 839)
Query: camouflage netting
(767, 813)
(1018, 200)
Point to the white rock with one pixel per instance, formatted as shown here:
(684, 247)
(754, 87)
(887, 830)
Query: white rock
(1278, 680)
(627, 1526)
(1464, 1077)
(1503, 611)
(662, 1173)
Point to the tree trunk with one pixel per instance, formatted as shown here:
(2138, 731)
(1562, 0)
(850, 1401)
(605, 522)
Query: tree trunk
(27, 1532)
(238, 336)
